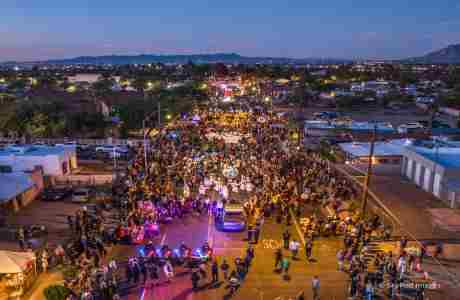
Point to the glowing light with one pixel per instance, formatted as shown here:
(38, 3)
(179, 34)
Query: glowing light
(168, 117)
(267, 99)
(227, 99)
(141, 251)
(71, 89)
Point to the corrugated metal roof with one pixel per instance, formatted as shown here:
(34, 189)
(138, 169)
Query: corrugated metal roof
(13, 184)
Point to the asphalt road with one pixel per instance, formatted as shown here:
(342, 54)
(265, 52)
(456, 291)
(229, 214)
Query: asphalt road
(262, 282)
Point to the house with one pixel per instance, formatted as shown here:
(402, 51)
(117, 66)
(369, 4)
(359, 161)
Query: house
(434, 166)
(81, 78)
(53, 160)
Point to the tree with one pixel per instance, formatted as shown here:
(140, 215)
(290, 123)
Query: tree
(18, 84)
(56, 292)
(37, 126)
(103, 86)
(46, 82)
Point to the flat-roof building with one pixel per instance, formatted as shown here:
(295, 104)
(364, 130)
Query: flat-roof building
(324, 128)
(435, 167)
(390, 151)
(53, 160)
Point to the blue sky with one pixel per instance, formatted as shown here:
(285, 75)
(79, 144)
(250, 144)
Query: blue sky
(33, 29)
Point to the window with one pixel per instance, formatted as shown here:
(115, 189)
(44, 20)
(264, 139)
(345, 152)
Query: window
(64, 167)
(6, 169)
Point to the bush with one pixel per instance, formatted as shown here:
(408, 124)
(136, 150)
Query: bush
(56, 292)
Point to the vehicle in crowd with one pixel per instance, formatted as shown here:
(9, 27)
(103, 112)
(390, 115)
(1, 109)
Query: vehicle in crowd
(81, 195)
(56, 194)
(232, 218)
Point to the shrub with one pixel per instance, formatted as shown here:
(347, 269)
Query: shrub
(56, 292)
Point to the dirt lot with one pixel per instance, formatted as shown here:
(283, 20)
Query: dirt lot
(51, 214)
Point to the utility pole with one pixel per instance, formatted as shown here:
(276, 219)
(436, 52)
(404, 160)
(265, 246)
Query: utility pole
(145, 145)
(159, 114)
(368, 174)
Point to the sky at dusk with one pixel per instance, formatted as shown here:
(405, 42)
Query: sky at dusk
(41, 29)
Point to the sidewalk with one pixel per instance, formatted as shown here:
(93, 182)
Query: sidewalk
(42, 282)
(419, 213)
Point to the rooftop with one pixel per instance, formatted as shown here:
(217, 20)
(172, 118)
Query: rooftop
(32, 150)
(350, 125)
(448, 157)
(13, 184)
(387, 148)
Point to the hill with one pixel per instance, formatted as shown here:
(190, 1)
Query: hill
(448, 55)
(232, 58)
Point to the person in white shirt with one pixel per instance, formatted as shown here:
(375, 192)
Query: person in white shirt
(294, 248)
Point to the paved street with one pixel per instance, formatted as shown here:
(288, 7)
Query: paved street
(262, 281)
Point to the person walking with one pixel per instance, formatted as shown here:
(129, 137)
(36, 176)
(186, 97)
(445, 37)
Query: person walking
(169, 271)
(250, 233)
(215, 271)
(21, 238)
(286, 238)
(340, 259)
(195, 277)
(308, 249)
(285, 267)
(256, 234)
(294, 248)
(225, 268)
(278, 258)
(315, 285)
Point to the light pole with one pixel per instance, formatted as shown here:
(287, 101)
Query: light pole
(368, 174)
(145, 144)
(144, 130)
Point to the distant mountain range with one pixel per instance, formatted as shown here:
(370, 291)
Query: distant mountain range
(448, 55)
(180, 59)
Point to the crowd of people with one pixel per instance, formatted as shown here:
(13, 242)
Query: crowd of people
(197, 166)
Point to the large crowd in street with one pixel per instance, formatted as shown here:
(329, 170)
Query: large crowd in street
(200, 164)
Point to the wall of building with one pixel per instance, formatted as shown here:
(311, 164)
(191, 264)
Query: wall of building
(19, 163)
(52, 165)
(431, 177)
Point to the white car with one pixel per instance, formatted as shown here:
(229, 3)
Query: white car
(405, 128)
(81, 195)
(111, 148)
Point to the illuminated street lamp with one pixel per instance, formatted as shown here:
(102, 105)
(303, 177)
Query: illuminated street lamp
(168, 117)
(267, 99)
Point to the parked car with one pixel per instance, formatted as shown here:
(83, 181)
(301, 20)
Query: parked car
(111, 148)
(410, 127)
(81, 195)
(56, 194)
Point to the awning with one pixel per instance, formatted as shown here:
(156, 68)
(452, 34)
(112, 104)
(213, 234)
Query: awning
(15, 262)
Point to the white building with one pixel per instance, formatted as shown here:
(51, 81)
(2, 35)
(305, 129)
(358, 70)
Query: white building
(53, 160)
(385, 152)
(81, 78)
(434, 167)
